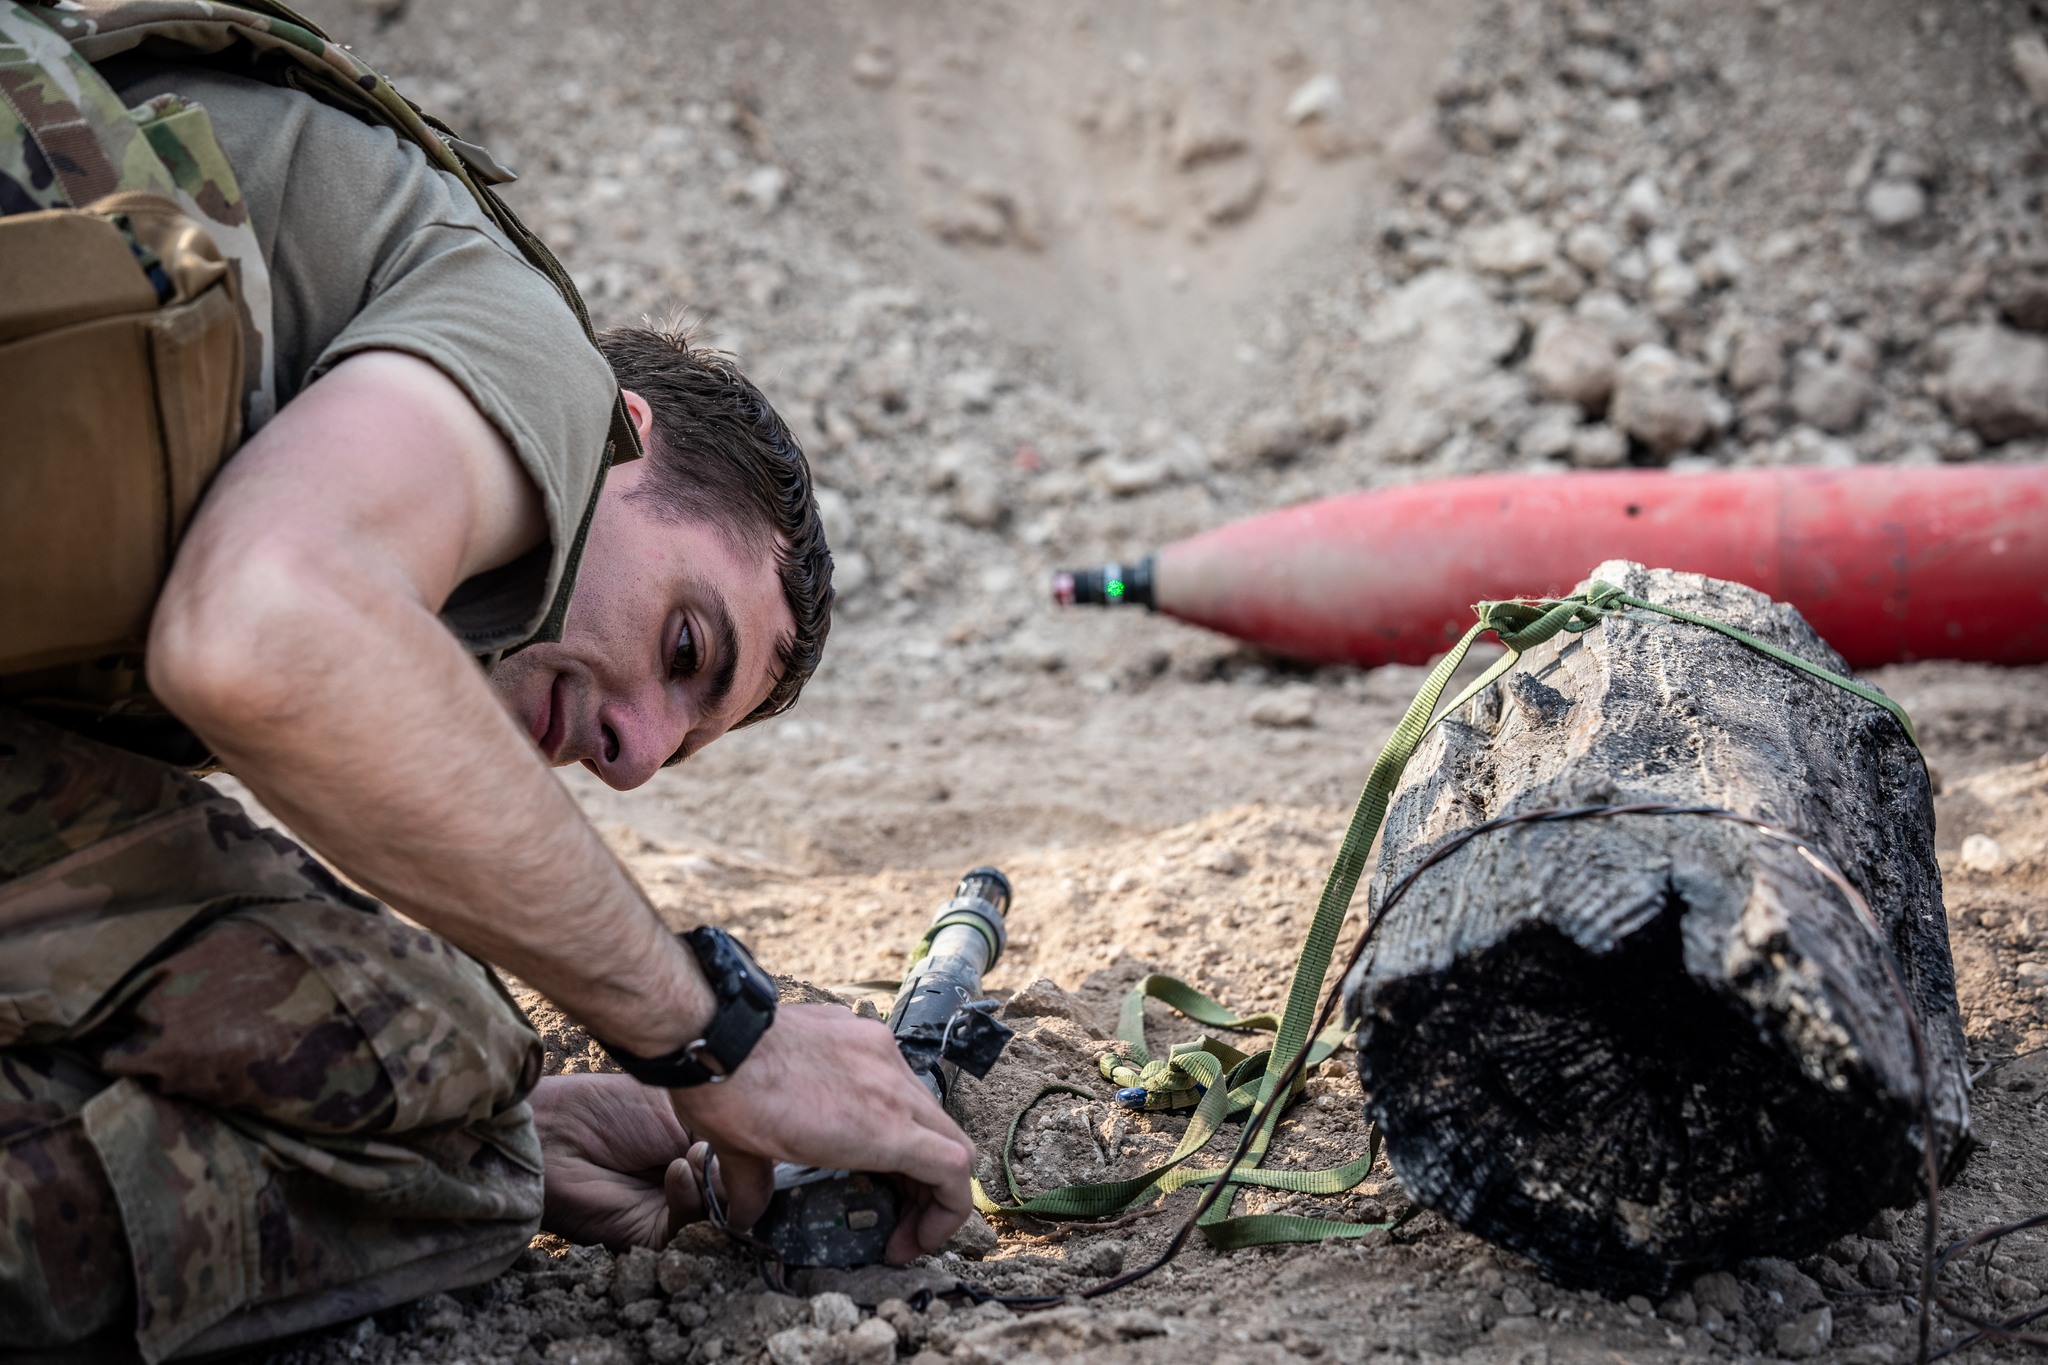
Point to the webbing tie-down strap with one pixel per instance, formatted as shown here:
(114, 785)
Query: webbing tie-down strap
(1519, 626)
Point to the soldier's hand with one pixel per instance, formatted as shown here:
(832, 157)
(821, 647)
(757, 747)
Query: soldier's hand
(827, 1088)
(613, 1162)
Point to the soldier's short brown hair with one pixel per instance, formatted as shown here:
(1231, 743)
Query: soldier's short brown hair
(720, 453)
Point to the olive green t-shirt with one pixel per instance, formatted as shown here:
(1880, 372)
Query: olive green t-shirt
(370, 247)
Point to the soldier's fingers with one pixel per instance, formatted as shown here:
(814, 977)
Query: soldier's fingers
(744, 1183)
(940, 1157)
(685, 1195)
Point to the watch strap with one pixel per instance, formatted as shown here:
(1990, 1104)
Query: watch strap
(745, 998)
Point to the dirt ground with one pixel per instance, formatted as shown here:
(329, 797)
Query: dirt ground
(1040, 284)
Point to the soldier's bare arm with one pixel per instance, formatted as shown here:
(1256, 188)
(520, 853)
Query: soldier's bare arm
(298, 636)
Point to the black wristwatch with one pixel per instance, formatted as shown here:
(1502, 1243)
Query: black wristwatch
(746, 1007)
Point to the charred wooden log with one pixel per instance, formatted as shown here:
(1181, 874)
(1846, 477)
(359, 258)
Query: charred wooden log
(1639, 1047)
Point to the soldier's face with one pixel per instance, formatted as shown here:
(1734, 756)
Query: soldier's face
(670, 641)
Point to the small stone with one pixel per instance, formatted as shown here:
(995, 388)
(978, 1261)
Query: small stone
(1756, 361)
(1591, 247)
(1290, 707)
(1610, 312)
(765, 186)
(1856, 350)
(2029, 53)
(833, 1312)
(1516, 1303)
(679, 1273)
(1639, 1305)
(1806, 1335)
(1657, 401)
(1227, 189)
(1270, 436)
(1984, 854)
(1720, 1291)
(1030, 653)
(1642, 204)
(1598, 446)
(975, 1239)
(972, 389)
(874, 66)
(872, 1342)
(1673, 285)
(1318, 97)
(799, 1346)
(436, 1315)
(2022, 296)
(1044, 998)
(1680, 1308)
(1830, 395)
(665, 1345)
(1416, 149)
(1548, 436)
(1719, 266)
(1514, 247)
(1221, 859)
(1959, 447)
(1894, 204)
(978, 498)
(1101, 1259)
(2032, 976)
(1573, 361)
(1505, 117)
(908, 1322)
(1880, 1268)
(1996, 381)
(1126, 476)
(634, 1276)
(585, 1351)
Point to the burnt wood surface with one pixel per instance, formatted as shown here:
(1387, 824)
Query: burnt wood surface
(1635, 1048)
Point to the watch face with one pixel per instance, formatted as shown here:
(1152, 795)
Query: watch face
(757, 988)
(737, 975)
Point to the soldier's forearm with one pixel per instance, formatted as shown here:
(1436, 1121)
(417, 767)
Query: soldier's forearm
(405, 773)
(297, 636)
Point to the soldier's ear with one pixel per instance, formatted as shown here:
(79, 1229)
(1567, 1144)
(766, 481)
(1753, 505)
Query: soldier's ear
(641, 414)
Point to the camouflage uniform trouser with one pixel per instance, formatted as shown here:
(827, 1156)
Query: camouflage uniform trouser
(237, 1099)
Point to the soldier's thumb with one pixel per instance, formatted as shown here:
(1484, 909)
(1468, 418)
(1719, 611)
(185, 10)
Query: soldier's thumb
(743, 1183)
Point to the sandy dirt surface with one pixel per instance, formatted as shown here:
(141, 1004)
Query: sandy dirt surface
(1041, 284)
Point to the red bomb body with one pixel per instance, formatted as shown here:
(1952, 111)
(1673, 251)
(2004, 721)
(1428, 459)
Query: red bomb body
(1888, 564)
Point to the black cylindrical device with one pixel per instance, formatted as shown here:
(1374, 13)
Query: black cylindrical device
(844, 1218)
(965, 940)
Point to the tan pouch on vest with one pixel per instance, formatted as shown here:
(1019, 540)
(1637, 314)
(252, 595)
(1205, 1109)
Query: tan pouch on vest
(118, 409)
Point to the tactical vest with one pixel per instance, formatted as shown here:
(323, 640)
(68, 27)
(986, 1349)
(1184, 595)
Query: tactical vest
(135, 335)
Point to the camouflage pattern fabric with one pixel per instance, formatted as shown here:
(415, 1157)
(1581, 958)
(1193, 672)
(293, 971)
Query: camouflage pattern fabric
(66, 139)
(237, 1098)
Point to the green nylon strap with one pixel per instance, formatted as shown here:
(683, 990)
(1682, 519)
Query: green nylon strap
(1195, 1004)
(1520, 626)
